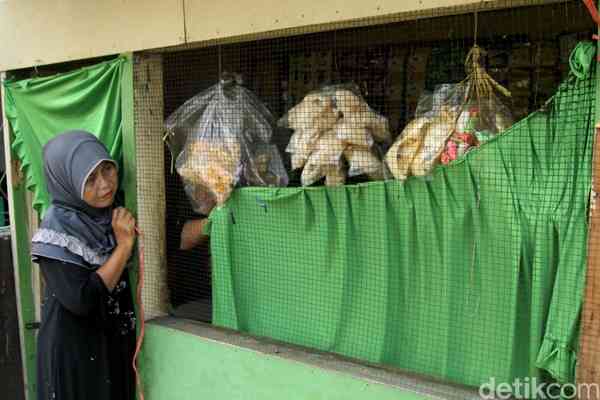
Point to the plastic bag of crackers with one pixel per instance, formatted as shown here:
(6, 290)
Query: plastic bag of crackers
(451, 121)
(220, 139)
(336, 135)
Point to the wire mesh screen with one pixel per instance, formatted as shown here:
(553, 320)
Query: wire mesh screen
(435, 213)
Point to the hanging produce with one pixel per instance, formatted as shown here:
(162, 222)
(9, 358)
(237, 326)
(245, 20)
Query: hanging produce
(449, 122)
(220, 139)
(336, 135)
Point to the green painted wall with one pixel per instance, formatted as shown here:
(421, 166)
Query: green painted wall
(25, 282)
(23, 275)
(180, 365)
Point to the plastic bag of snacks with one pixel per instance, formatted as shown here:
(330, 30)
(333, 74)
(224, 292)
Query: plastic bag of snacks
(336, 134)
(449, 122)
(420, 145)
(221, 138)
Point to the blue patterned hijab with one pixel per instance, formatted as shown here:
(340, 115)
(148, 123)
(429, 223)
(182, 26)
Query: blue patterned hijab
(72, 231)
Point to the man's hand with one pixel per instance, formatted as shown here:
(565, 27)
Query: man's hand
(191, 234)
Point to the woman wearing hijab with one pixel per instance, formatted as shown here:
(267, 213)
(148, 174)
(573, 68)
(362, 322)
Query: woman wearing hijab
(87, 335)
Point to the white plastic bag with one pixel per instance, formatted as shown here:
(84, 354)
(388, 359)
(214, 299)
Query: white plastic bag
(336, 134)
(449, 122)
(221, 138)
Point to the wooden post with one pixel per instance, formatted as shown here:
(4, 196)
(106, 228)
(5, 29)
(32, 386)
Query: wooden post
(148, 112)
(33, 221)
(588, 371)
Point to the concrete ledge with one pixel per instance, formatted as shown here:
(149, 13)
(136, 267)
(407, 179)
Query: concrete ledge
(183, 359)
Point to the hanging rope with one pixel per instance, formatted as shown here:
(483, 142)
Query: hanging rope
(480, 83)
(141, 318)
(220, 61)
(476, 28)
(483, 84)
(335, 63)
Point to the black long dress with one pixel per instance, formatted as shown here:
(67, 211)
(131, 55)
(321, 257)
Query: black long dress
(87, 336)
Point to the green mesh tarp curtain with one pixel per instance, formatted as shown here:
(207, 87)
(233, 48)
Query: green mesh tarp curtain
(474, 273)
(40, 108)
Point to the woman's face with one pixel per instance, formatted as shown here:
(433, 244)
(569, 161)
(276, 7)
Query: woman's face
(101, 186)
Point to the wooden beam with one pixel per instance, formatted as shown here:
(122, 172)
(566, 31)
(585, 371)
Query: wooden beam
(588, 368)
(33, 221)
(148, 107)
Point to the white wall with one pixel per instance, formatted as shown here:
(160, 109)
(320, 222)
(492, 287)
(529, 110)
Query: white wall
(37, 32)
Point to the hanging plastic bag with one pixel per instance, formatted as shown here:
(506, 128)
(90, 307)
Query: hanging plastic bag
(482, 114)
(221, 138)
(450, 121)
(328, 125)
(420, 145)
(364, 161)
(326, 158)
